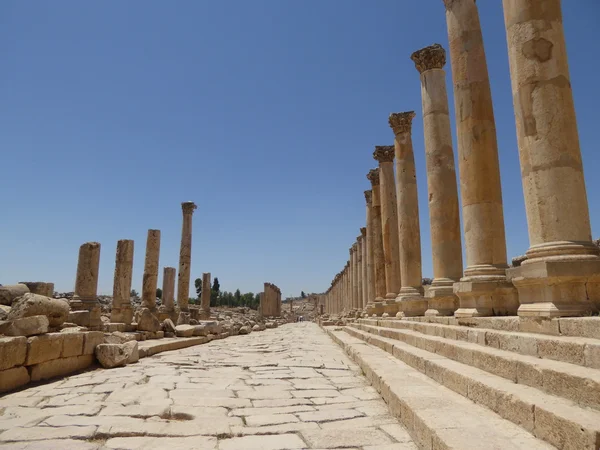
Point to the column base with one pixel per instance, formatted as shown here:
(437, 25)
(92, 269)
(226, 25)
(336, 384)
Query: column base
(484, 298)
(411, 302)
(441, 301)
(124, 314)
(376, 307)
(557, 288)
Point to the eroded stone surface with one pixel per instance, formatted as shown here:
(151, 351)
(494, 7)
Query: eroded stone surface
(289, 387)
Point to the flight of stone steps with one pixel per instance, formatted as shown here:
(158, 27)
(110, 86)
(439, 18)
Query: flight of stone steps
(468, 387)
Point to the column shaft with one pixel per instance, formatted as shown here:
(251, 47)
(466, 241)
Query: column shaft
(364, 269)
(122, 311)
(151, 270)
(359, 264)
(168, 298)
(205, 297)
(378, 256)
(86, 286)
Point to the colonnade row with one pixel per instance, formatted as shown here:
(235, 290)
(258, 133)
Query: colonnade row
(86, 283)
(270, 301)
(560, 275)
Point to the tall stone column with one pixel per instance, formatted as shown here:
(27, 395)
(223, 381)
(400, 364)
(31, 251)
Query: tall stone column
(185, 256)
(364, 268)
(410, 298)
(355, 284)
(122, 311)
(441, 182)
(378, 256)
(167, 309)
(351, 299)
(205, 297)
(370, 266)
(359, 272)
(561, 275)
(484, 290)
(151, 270)
(85, 300)
(389, 222)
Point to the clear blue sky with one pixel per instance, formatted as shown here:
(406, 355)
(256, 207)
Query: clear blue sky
(265, 113)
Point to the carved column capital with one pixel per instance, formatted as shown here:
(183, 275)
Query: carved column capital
(450, 3)
(428, 58)
(384, 153)
(401, 122)
(188, 207)
(363, 231)
(373, 177)
(369, 196)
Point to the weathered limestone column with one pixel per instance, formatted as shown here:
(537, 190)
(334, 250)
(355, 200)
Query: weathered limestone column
(359, 271)
(205, 297)
(389, 222)
(122, 311)
(378, 256)
(364, 268)
(168, 298)
(561, 275)
(351, 278)
(484, 290)
(355, 291)
(410, 298)
(185, 256)
(370, 266)
(441, 182)
(151, 270)
(86, 286)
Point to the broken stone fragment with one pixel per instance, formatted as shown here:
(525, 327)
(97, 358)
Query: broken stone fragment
(57, 310)
(256, 328)
(26, 326)
(147, 321)
(11, 292)
(117, 355)
(168, 326)
(118, 337)
(200, 330)
(185, 330)
(183, 319)
(244, 330)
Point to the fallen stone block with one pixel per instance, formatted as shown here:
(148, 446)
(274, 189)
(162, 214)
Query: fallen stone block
(168, 326)
(60, 367)
(256, 328)
(183, 319)
(116, 355)
(185, 330)
(200, 330)
(81, 318)
(271, 325)
(11, 292)
(13, 351)
(147, 321)
(13, 378)
(118, 337)
(27, 326)
(111, 327)
(57, 310)
(4, 310)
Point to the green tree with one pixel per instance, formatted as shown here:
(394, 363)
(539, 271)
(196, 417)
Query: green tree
(237, 297)
(216, 285)
(159, 293)
(198, 285)
(302, 294)
(134, 294)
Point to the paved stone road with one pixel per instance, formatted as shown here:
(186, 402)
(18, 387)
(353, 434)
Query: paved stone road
(287, 388)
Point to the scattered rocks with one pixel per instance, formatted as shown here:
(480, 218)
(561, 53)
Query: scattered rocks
(26, 326)
(118, 337)
(4, 310)
(185, 330)
(57, 310)
(255, 328)
(116, 355)
(168, 326)
(200, 330)
(147, 321)
(271, 325)
(183, 319)
(9, 293)
(244, 330)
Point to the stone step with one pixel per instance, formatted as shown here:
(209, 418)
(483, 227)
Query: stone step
(578, 384)
(575, 350)
(435, 416)
(559, 421)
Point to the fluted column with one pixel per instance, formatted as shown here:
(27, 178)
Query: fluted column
(151, 270)
(86, 286)
(370, 265)
(364, 268)
(560, 276)
(359, 271)
(410, 299)
(483, 290)
(389, 223)
(205, 296)
(352, 299)
(441, 182)
(168, 291)
(122, 311)
(378, 256)
(185, 257)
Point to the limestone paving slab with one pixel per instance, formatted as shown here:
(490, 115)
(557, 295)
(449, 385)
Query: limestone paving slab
(290, 387)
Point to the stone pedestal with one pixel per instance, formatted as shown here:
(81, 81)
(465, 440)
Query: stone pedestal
(122, 311)
(205, 298)
(167, 309)
(482, 290)
(377, 245)
(389, 224)
(150, 280)
(185, 256)
(85, 308)
(560, 275)
(441, 182)
(410, 298)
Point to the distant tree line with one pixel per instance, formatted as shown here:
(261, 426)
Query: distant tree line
(225, 298)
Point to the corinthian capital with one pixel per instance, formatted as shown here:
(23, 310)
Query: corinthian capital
(384, 153)
(450, 3)
(369, 196)
(401, 122)
(363, 231)
(432, 57)
(188, 207)
(373, 177)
